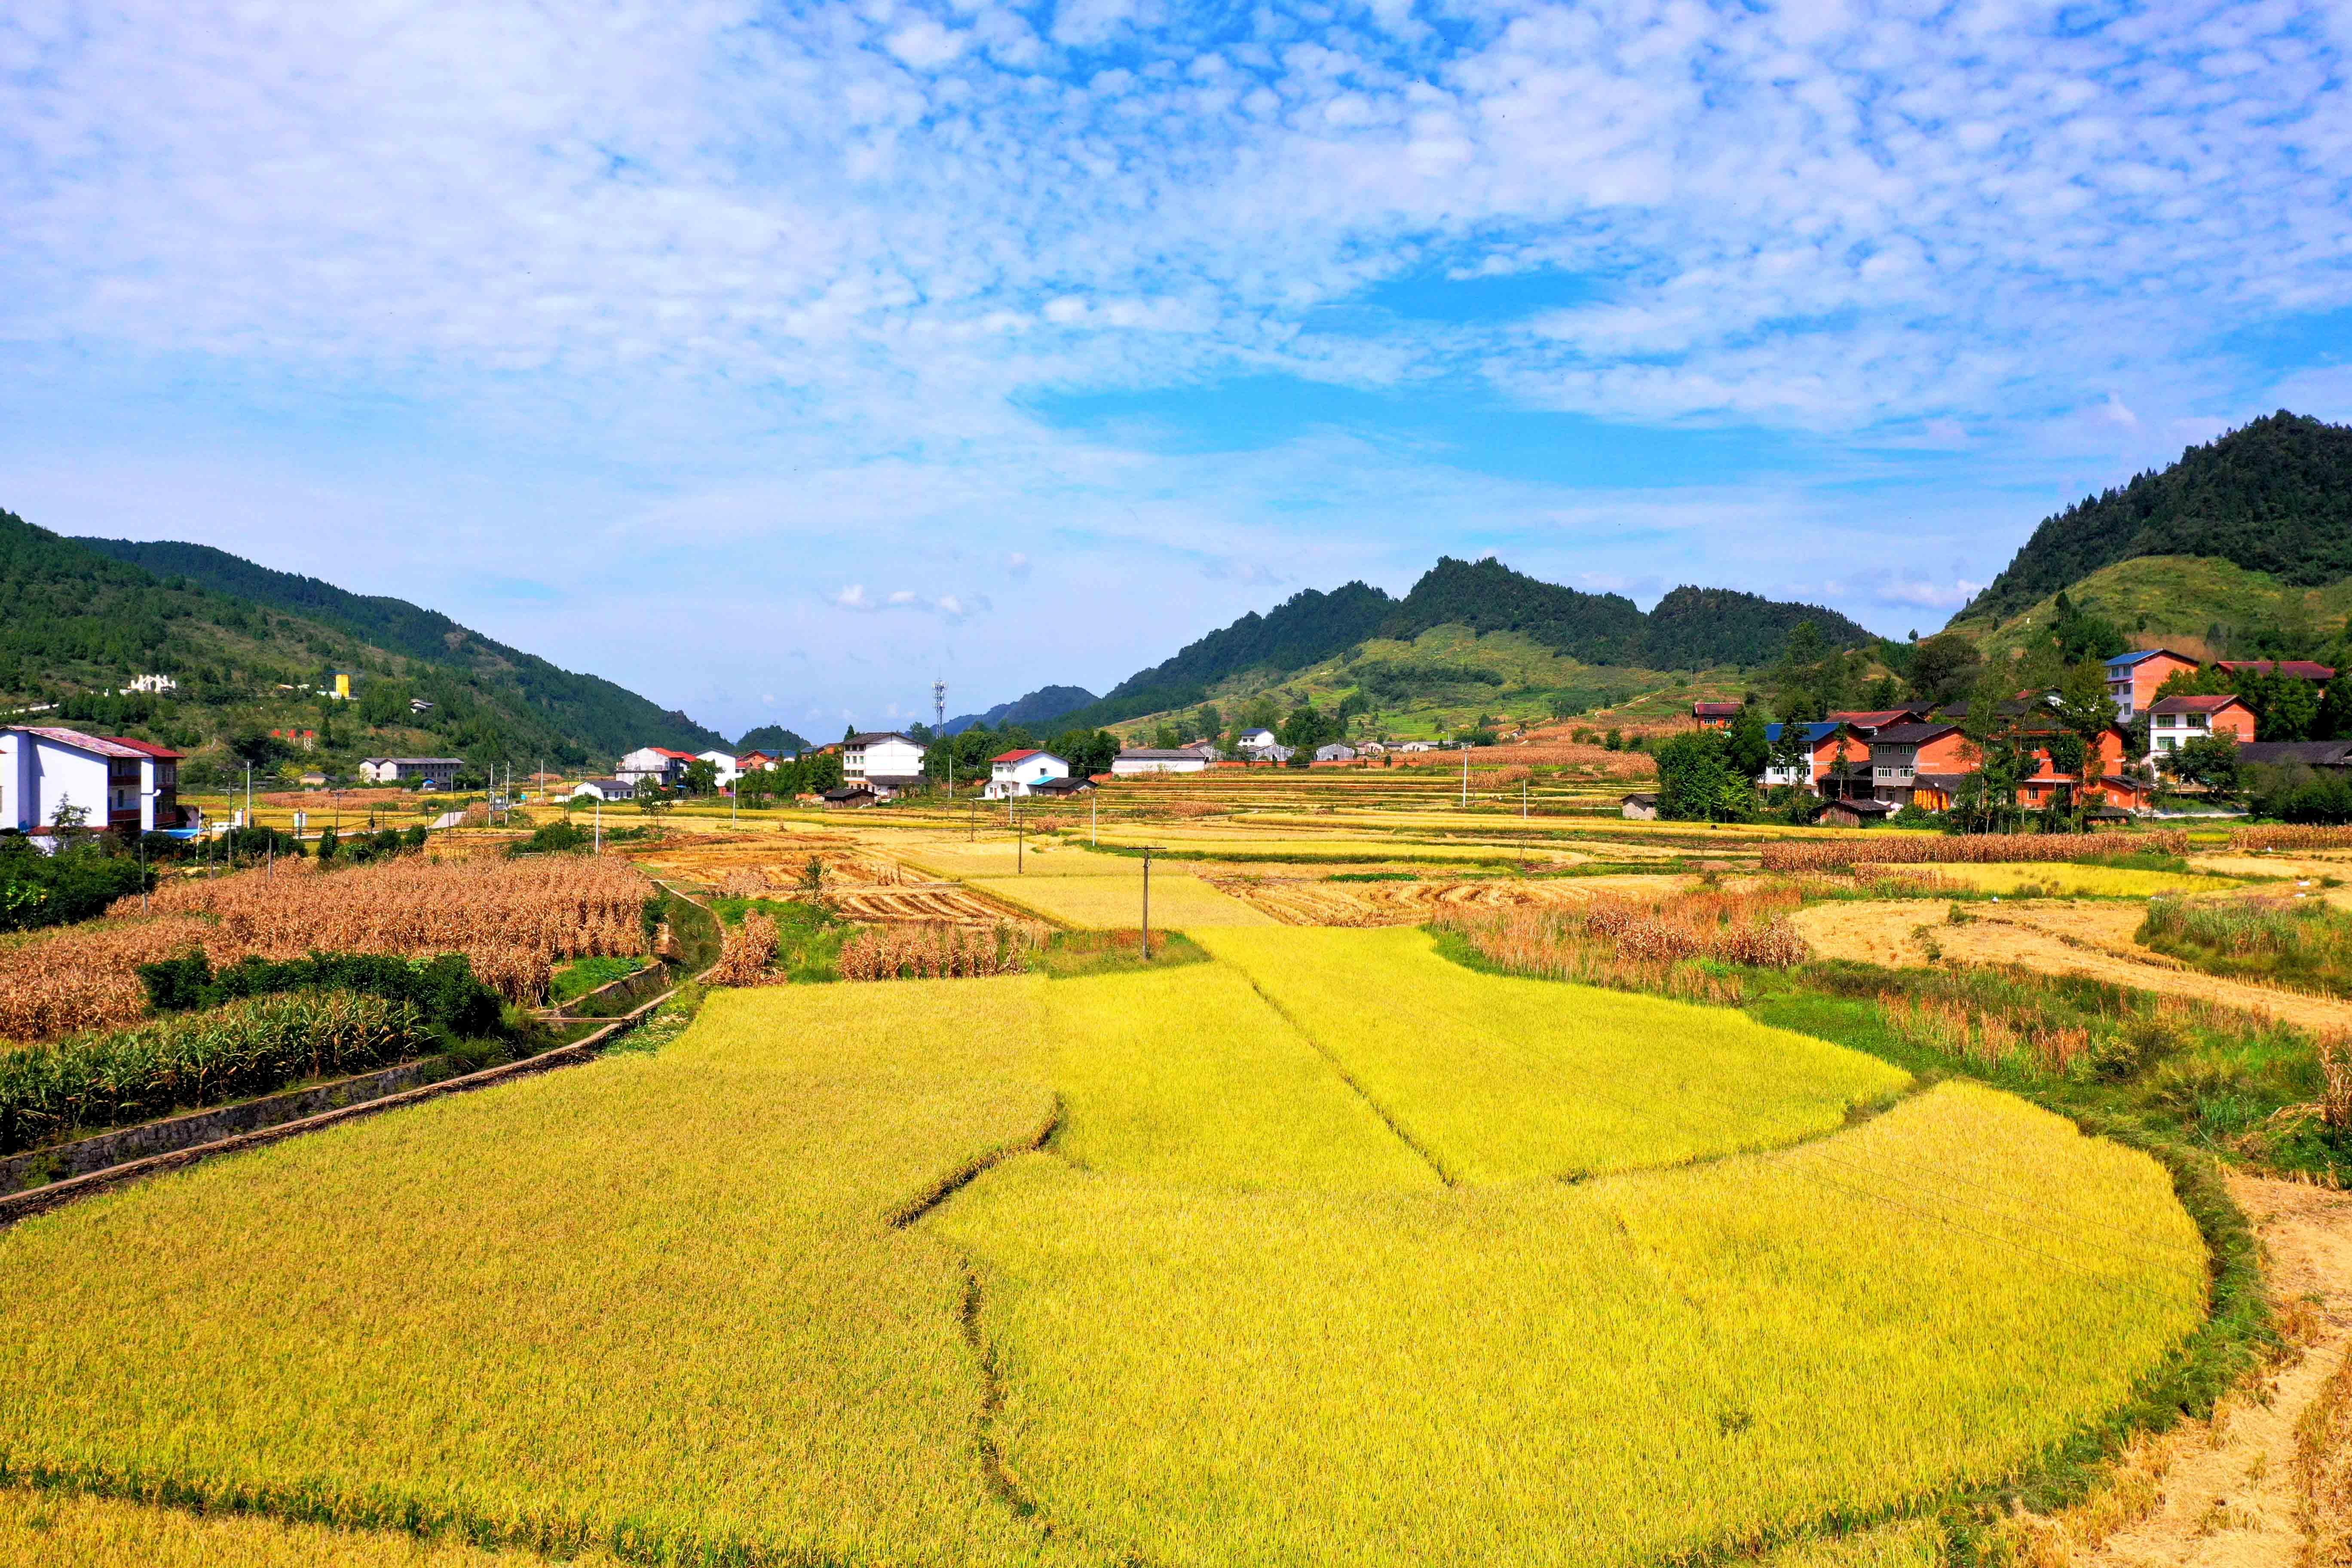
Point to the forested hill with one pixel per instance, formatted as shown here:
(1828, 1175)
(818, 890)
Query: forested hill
(1042, 706)
(1692, 629)
(772, 738)
(2275, 496)
(601, 716)
(1307, 627)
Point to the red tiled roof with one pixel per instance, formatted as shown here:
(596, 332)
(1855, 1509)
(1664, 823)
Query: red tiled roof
(165, 753)
(682, 756)
(2193, 704)
(95, 745)
(1013, 756)
(2301, 669)
(1715, 709)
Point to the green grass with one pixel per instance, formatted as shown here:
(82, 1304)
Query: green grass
(808, 935)
(1622, 1371)
(583, 976)
(2291, 941)
(1067, 954)
(1504, 1079)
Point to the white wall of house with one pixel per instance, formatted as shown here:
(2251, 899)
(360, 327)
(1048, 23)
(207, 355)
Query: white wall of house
(1128, 764)
(724, 761)
(1257, 740)
(1020, 778)
(884, 757)
(650, 763)
(38, 775)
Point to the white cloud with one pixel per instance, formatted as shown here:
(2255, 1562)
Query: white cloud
(927, 46)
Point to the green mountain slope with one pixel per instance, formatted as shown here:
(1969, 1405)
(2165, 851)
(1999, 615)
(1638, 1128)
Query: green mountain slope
(77, 624)
(1042, 706)
(2197, 604)
(1307, 627)
(2275, 497)
(772, 738)
(591, 712)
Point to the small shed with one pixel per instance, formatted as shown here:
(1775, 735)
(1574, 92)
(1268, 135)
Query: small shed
(848, 795)
(1640, 807)
(1335, 753)
(1856, 813)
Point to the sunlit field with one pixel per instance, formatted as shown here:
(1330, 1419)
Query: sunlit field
(2104, 881)
(1098, 903)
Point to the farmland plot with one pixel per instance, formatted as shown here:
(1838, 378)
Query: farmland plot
(1101, 903)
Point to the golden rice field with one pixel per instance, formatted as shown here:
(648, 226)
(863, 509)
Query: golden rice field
(1101, 903)
(1264, 1259)
(51, 1529)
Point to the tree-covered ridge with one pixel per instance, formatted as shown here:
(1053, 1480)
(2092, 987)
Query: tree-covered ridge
(1039, 707)
(62, 604)
(2275, 496)
(1488, 596)
(1698, 628)
(1308, 627)
(595, 714)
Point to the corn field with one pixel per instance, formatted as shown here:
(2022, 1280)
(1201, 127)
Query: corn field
(2249, 839)
(934, 951)
(1632, 945)
(745, 953)
(513, 919)
(247, 1047)
(1828, 854)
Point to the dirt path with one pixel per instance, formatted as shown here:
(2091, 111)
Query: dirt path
(2229, 1495)
(2051, 935)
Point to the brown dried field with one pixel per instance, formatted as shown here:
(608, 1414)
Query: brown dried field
(511, 918)
(936, 903)
(1884, 847)
(1322, 902)
(2053, 937)
(326, 802)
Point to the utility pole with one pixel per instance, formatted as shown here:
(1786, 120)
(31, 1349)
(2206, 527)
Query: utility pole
(1523, 800)
(1094, 814)
(1019, 842)
(1465, 776)
(1146, 931)
(600, 822)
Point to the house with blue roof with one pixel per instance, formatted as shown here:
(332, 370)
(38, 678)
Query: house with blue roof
(2133, 677)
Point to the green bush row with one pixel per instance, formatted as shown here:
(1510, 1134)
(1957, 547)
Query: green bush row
(442, 988)
(246, 1048)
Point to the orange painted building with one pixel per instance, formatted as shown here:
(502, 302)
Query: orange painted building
(1714, 715)
(2133, 677)
(2174, 721)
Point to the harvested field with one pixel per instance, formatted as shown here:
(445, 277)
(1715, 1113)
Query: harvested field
(2051, 937)
(1101, 903)
(936, 903)
(1322, 902)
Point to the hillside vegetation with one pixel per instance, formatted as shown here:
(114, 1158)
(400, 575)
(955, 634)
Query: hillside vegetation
(77, 624)
(2201, 606)
(2275, 497)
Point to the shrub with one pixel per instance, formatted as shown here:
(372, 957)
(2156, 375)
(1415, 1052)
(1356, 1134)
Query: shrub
(554, 838)
(75, 884)
(443, 988)
(248, 1048)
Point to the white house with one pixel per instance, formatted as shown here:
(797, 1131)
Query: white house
(1144, 760)
(655, 764)
(439, 772)
(723, 763)
(881, 756)
(152, 685)
(122, 783)
(606, 790)
(1335, 753)
(1020, 772)
(1259, 740)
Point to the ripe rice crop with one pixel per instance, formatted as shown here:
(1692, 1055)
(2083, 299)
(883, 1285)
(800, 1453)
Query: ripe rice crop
(2246, 840)
(653, 1305)
(1502, 1078)
(2070, 881)
(1099, 903)
(47, 1528)
(1190, 1076)
(1887, 849)
(937, 951)
(199, 1058)
(1664, 1367)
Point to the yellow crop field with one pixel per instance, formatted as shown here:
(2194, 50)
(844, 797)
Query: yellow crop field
(1103, 903)
(50, 1529)
(652, 1304)
(1188, 1077)
(1508, 1079)
(991, 858)
(1202, 1297)
(2110, 881)
(1617, 1372)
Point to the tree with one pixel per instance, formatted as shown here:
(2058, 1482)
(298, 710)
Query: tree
(1944, 668)
(68, 815)
(2335, 719)
(258, 747)
(2210, 762)
(1167, 737)
(701, 776)
(1696, 782)
(1088, 752)
(1306, 729)
(1747, 749)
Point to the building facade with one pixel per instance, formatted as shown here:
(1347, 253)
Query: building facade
(656, 765)
(2133, 677)
(123, 785)
(1148, 759)
(441, 773)
(1014, 773)
(880, 754)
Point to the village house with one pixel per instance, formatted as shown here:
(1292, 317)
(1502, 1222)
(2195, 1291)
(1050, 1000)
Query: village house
(1258, 740)
(436, 772)
(1867, 720)
(722, 767)
(1917, 764)
(1335, 753)
(2174, 721)
(123, 785)
(1714, 715)
(1640, 807)
(849, 796)
(1146, 759)
(605, 790)
(2309, 753)
(1823, 747)
(1061, 786)
(2292, 668)
(656, 765)
(1011, 774)
(756, 761)
(2133, 678)
(882, 759)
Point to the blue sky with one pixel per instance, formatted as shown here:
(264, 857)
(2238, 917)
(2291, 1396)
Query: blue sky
(772, 360)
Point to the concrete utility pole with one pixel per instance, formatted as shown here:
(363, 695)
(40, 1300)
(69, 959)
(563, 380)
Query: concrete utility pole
(1146, 932)
(1465, 776)
(1019, 842)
